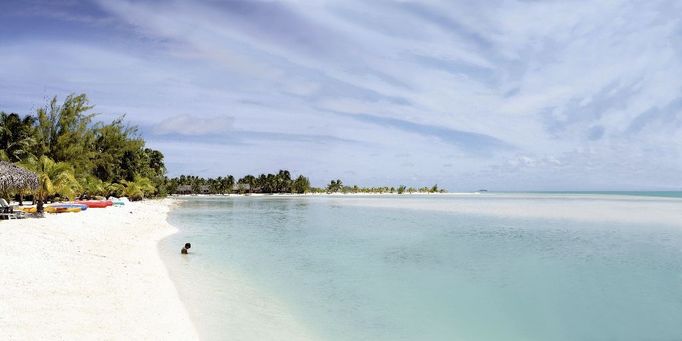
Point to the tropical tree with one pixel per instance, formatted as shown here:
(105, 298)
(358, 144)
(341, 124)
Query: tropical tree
(249, 180)
(91, 186)
(17, 140)
(283, 181)
(138, 188)
(196, 185)
(53, 178)
(226, 184)
(300, 185)
(64, 132)
(334, 186)
(114, 189)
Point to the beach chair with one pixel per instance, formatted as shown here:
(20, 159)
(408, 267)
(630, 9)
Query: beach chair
(7, 211)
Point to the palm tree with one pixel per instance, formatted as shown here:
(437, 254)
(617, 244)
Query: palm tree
(251, 181)
(283, 181)
(230, 183)
(335, 186)
(218, 185)
(53, 178)
(92, 186)
(138, 188)
(16, 137)
(226, 184)
(114, 189)
(301, 185)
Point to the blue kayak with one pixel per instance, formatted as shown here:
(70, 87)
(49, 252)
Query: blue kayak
(70, 205)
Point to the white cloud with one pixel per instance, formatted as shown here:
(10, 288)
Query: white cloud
(194, 125)
(563, 82)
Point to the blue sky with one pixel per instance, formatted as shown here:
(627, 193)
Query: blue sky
(507, 95)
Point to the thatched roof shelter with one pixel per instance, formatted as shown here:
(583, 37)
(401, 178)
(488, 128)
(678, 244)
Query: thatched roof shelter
(14, 178)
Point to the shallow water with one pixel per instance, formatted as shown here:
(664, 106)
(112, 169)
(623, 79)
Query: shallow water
(492, 267)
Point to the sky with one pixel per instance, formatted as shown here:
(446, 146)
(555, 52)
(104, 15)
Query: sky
(503, 95)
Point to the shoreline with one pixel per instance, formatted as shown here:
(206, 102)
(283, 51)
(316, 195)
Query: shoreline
(253, 312)
(96, 274)
(613, 195)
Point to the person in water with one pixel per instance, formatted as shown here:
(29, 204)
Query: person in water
(185, 250)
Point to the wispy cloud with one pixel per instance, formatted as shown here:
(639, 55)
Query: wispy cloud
(195, 125)
(594, 86)
(467, 141)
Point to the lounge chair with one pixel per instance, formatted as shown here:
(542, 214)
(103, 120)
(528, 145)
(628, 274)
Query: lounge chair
(7, 211)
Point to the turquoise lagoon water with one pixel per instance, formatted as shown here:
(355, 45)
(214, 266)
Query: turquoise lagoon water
(432, 268)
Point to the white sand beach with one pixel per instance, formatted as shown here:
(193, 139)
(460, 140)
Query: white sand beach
(94, 275)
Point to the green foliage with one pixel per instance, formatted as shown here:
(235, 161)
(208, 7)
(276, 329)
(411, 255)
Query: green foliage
(17, 137)
(64, 132)
(115, 189)
(138, 188)
(103, 157)
(247, 184)
(53, 178)
(275, 183)
(301, 185)
(91, 187)
(334, 186)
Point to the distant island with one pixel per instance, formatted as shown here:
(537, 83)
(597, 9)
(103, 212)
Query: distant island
(282, 182)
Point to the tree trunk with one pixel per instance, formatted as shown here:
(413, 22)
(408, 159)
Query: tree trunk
(40, 211)
(21, 199)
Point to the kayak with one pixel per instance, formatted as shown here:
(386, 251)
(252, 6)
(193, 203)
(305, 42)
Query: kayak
(56, 208)
(53, 209)
(82, 207)
(30, 209)
(118, 201)
(95, 203)
(60, 208)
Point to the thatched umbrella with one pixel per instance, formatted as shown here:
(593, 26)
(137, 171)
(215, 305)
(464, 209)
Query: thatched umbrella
(14, 178)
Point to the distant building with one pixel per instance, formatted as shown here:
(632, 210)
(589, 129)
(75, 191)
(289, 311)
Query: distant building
(184, 189)
(241, 187)
(187, 189)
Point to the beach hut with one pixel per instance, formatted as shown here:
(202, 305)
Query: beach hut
(184, 189)
(14, 178)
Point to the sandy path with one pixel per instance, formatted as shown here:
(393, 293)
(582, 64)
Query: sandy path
(94, 275)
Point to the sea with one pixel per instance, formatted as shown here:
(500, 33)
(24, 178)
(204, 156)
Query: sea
(488, 266)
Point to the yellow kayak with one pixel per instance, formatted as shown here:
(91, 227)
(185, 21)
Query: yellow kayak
(30, 209)
(49, 209)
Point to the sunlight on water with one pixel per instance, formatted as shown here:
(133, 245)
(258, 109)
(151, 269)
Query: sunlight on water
(449, 267)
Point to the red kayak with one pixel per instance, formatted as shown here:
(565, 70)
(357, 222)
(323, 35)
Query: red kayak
(95, 203)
